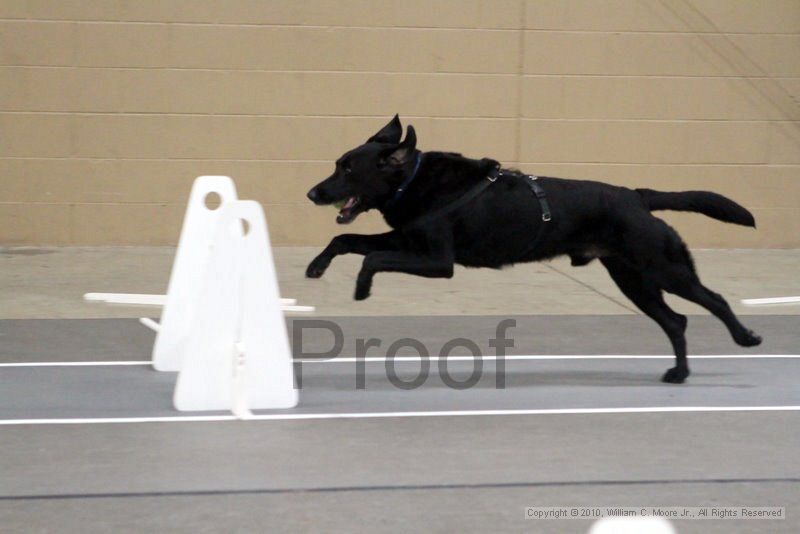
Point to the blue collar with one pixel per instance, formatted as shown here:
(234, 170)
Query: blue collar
(407, 181)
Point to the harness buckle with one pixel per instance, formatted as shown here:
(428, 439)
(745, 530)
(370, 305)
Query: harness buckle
(492, 178)
(546, 217)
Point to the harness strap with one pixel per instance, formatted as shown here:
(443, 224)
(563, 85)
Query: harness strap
(453, 206)
(476, 190)
(541, 195)
(537, 189)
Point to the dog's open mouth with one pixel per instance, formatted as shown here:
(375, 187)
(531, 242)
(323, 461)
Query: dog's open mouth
(349, 210)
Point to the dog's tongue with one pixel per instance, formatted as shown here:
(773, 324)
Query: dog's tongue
(346, 212)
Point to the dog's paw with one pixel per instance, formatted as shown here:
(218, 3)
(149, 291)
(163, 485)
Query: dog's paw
(748, 339)
(317, 267)
(363, 285)
(578, 260)
(362, 292)
(314, 272)
(676, 375)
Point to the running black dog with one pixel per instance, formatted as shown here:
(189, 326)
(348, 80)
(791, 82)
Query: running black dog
(446, 209)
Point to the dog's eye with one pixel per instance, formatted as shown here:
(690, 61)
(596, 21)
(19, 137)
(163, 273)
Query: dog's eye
(348, 169)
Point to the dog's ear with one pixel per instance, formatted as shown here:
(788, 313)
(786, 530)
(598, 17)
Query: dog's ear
(390, 133)
(404, 150)
(488, 164)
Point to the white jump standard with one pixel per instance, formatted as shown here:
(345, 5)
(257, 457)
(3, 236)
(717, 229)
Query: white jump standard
(222, 324)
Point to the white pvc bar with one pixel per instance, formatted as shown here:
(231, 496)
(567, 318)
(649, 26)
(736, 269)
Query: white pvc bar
(771, 300)
(141, 299)
(149, 323)
(297, 309)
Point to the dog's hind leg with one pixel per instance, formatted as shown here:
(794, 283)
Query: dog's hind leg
(668, 265)
(648, 298)
(681, 280)
(672, 269)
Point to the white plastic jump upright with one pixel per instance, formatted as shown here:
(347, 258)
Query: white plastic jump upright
(237, 355)
(186, 278)
(222, 323)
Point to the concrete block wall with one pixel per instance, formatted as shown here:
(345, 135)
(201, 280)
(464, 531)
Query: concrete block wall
(109, 108)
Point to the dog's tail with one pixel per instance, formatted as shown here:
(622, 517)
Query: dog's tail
(705, 202)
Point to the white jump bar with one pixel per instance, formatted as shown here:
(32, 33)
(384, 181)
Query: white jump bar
(771, 300)
(141, 299)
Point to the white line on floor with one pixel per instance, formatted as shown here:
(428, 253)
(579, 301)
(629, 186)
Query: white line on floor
(385, 415)
(72, 364)
(526, 357)
(488, 357)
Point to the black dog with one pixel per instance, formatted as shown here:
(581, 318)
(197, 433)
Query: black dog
(446, 209)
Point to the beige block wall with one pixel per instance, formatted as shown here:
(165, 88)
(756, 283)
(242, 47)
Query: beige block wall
(109, 108)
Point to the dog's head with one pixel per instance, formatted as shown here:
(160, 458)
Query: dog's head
(368, 176)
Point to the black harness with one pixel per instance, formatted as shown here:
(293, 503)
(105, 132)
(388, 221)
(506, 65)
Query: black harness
(533, 183)
(476, 190)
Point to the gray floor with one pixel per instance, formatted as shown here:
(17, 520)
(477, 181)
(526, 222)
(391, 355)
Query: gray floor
(54, 340)
(472, 473)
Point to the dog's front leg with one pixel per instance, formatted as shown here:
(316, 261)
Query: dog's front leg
(401, 262)
(351, 244)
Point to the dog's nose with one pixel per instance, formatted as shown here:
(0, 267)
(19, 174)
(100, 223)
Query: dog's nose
(313, 195)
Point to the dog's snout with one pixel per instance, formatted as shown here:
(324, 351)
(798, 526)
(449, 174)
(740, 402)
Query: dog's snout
(313, 195)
